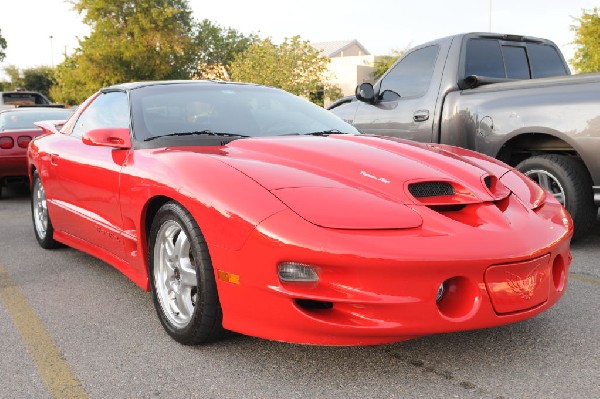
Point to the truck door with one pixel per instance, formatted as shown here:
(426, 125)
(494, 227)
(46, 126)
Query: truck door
(406, 99)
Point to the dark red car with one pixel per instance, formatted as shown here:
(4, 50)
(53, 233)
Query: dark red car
(246, 208)
(17, 129)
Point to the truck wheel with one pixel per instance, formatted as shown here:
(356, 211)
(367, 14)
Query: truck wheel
(570, 183)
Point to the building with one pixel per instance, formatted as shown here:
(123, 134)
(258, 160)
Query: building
(351, 63)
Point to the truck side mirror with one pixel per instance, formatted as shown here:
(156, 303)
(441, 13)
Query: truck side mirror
(365, 93)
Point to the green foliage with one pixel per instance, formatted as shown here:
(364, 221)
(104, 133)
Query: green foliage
(131, 40)
(15, 77)
(294, 65)
(384, 62)
(39, 79)
(587, 39)
(215, 49)
(2, 47)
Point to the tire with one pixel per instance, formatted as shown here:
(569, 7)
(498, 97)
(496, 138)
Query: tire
(182, 278)
(570, 183)
(42, 225)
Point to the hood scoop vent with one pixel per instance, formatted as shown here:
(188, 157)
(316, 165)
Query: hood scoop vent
(488, 181)
(431, 189)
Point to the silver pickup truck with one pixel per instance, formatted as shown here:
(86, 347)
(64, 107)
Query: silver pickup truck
(511, 97)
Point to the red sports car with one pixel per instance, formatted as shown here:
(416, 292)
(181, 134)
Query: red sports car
(246, 208)
(17, 129)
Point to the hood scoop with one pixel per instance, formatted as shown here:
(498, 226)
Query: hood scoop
(430, 189)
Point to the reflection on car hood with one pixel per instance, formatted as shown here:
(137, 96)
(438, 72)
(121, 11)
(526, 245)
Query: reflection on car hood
(379, 165)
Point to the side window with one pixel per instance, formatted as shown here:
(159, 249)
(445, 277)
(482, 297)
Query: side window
(412, 75)
(484, 58)
(515, 60)
(545, 61)
(107, 110)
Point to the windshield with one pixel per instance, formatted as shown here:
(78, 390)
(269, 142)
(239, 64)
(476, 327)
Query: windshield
(25, 119)
(227, 109)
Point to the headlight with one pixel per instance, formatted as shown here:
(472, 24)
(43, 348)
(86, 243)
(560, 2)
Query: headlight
(297, 272)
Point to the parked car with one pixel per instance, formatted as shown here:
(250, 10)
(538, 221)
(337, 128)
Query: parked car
(17, 129)
(246, 208)
(507, 96)
(10, 99)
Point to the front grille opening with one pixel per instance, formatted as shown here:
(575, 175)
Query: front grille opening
(310, 304)
(447, 208)
(430, 189)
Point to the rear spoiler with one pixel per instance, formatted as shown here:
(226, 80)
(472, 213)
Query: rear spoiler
(50, 126)
(39, 105)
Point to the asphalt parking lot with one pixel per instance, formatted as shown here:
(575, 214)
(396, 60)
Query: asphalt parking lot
(72, 326)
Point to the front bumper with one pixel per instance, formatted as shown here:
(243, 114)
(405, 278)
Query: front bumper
(380, 286)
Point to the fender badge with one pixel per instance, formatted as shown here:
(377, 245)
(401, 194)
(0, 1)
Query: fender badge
(370, 176)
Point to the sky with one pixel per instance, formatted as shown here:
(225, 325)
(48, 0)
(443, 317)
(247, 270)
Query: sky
(41, 32)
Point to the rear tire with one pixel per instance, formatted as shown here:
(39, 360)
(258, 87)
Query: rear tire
(570, 183)
(42, 225)
(182, 278)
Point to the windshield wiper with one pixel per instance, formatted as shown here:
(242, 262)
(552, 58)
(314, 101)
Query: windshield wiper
(196, 133)
(324, 132)
(318, 133)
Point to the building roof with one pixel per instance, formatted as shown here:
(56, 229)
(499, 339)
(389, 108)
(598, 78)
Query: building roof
(332, 49)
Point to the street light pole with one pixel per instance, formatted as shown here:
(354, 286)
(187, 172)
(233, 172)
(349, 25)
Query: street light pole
(490, 19)
(51, 51)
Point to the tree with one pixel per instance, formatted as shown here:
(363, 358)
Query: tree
(215, 49)
(131, 40)
(294, 66)
(15, 76)
(39, 79)
(2, 47)
(587, 39)
(384, 62)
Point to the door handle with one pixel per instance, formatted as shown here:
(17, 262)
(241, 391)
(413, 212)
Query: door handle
(421, 115)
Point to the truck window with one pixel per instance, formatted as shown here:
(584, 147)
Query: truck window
(411, 76)
(515, 60)
(23, 98)
(545, 61)
(484, 58)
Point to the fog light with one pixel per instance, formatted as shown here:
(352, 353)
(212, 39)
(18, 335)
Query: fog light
(440, 292)
(297, 272)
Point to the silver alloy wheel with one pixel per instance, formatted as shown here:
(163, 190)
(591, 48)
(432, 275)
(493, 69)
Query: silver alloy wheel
(175, 274)
(40, 209)
(547, 181)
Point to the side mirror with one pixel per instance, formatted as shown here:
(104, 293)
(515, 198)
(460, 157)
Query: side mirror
(111, 137)
(365, 93)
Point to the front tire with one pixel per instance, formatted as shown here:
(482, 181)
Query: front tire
(42, 225)
(568, 180)
(182, 278)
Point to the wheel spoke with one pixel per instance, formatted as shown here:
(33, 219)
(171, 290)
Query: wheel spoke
(183, 299)
(188, 273)
(168, 245)
(560, 197)
(182, 245)
(544, 181)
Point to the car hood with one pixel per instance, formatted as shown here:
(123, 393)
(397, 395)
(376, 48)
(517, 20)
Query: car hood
(352, 181)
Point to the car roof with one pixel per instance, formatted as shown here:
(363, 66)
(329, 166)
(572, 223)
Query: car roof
(137, 85)
(31, 109)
